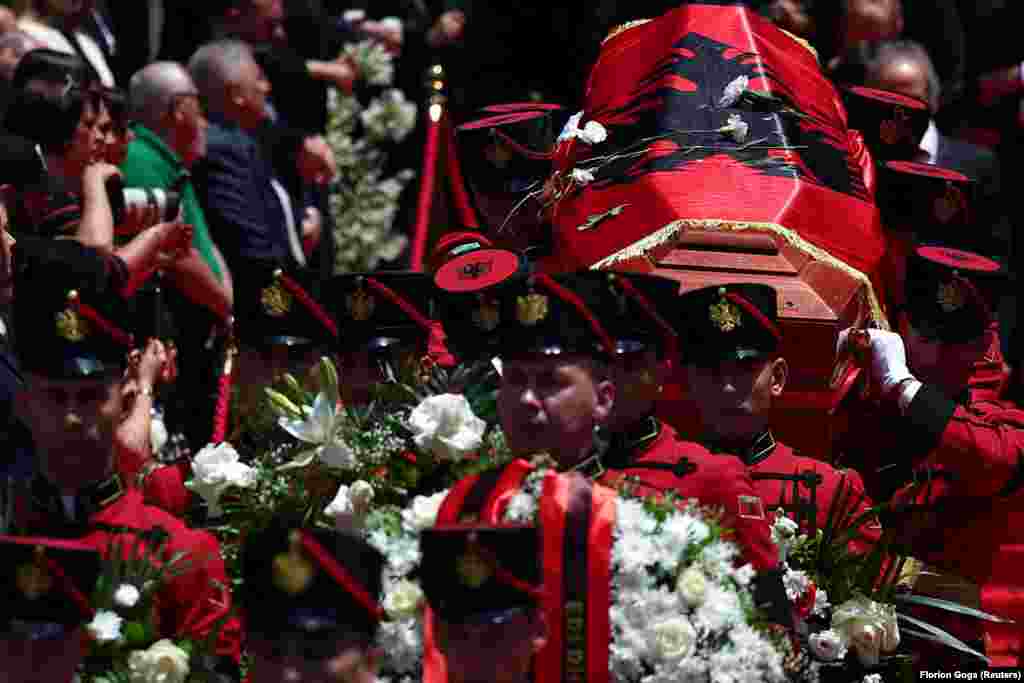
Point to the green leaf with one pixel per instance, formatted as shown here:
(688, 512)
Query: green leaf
(134, 634)
(950, 606)
(938, 636)
(283, 405)
(943, 641)
(329, 379)
(598, 218)
(303, 459)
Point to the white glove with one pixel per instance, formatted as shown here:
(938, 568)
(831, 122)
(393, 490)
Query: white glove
(888, 362)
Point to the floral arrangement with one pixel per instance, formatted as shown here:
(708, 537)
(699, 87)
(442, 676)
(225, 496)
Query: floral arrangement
(332, 461)
(680, 608)
(124, 645)
(846, 603)
(364, 203)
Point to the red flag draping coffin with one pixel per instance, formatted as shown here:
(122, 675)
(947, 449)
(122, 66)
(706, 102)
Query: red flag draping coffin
(672, 160)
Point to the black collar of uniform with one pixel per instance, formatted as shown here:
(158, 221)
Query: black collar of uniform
(751, 454)
(88, 501)
(623, 444)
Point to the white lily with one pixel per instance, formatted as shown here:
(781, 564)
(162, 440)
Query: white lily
(320, 429)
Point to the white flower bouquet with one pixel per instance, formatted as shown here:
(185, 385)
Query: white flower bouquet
(681, 609)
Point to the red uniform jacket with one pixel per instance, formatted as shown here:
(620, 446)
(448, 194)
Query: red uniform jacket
(806, 488)
(655, 454)
(163, 486)
(192, 603)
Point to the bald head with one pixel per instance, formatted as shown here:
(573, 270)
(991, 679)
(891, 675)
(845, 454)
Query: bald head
(152, 91)
(905, 67)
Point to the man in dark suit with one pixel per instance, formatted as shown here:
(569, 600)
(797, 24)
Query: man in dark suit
(904, 66)
(250, 213)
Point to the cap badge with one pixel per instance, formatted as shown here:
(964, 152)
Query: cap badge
(360, 304)
(293, 572)
(950, 297)
(487, 316)
(472, 569)
(725, 315)
(32, 578)
(950, 204)
(71, 326)
(531, 309)
(276, 300)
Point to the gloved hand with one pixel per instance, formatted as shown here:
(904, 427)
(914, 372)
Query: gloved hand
(887, 355)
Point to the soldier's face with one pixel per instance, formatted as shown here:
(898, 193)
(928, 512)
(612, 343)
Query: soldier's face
(481, 653)
(733, 398)
(949, 366)
(552, 404)
(40, 661)
(905, 77)
(291, 660)
(637, 378)
(73, 424)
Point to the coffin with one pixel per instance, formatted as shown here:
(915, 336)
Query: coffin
(816, 301)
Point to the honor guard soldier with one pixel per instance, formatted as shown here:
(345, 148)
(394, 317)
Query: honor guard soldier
(46, 588)
(386, 323)
(311, 601)
(73, 353)
(730, 340)
(484, 585)
(636, 310)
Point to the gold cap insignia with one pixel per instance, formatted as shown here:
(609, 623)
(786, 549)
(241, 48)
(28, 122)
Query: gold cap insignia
(725, 315)
(360, 304)
(293, 572)
(71, 326)
(950, 297)
(473, 570)
(32, 578)
(531, 309)
(950, 204)
(276, 300)
(487, 315)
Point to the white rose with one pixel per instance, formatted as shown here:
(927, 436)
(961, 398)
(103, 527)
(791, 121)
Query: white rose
(692, 585)
(827, 646)
(403, 600)
(163, 662)
(446, 426)
(423, 512)
(105, 626)
(674, 638)
(126, 596)
(214, 469)
(350, 505)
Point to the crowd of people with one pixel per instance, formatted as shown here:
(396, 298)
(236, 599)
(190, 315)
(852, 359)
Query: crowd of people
(167, 239)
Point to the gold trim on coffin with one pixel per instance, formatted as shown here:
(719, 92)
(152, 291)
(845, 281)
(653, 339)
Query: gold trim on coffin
(640, 249)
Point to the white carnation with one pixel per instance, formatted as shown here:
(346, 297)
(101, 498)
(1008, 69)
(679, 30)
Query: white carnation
(105, 626)
(215, 468)
(796, 582)
(734, 91)
(126, 596)
(593, 133)
(736, 128)
(582, 176)
(446, 426)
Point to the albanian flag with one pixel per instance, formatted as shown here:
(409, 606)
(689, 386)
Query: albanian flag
(711, 118)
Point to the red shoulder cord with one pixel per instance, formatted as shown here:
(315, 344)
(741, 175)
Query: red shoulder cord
(315, 309)
(671, 337)
(754, 313)
(93, 316)
(339, 574)
(410, 310)
(570, 298)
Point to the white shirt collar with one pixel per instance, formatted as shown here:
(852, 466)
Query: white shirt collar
(930, 142)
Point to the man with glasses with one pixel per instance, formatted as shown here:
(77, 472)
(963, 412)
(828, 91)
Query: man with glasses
(312, 605)
(170, 136)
